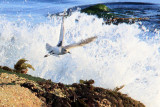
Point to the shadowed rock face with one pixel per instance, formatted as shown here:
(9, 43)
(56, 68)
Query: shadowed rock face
(49, 94)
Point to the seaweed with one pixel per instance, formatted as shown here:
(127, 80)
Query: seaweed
(22, 67)
(100, 10)
(19, 67)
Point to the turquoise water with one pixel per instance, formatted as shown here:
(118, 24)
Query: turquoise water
(124, 54)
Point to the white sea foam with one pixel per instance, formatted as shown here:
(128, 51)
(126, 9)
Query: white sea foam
(120, 55)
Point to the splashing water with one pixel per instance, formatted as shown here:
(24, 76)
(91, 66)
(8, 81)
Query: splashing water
(119, 56)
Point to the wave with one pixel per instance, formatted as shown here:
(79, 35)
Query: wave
(121, 55)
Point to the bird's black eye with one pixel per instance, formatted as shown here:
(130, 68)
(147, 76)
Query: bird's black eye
(51, 52)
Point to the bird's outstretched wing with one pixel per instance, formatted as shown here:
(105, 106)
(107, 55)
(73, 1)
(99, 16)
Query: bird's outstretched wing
(48, 47)
(61, 36)
(81, 43)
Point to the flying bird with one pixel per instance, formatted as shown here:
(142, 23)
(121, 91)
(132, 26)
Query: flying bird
(60, 49)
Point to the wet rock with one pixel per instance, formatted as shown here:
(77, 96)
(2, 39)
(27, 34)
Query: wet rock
(101, 10)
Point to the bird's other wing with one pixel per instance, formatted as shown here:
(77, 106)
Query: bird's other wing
(81, 43)
(61, 36)
(48, 47)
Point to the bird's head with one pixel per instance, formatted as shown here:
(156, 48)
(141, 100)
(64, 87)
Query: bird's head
(50, 53)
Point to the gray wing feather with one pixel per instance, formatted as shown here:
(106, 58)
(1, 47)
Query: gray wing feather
(48, 47)
(81, 43)
(61, 37)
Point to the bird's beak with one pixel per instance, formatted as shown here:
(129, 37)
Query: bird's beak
(46, 55)
(69, 52)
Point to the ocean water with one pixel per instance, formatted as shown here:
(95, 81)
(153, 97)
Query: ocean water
(124, 54)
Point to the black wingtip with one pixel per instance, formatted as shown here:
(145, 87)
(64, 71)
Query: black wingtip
(59, 44)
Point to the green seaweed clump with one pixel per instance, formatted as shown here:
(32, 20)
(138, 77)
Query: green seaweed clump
(100, 10)
(22, 67)
(19, 67)
(96, 8)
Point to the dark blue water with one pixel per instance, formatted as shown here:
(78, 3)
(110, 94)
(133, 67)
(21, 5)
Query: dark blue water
(139, 10)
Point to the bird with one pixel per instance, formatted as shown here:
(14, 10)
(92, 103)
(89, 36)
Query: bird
(60, 49)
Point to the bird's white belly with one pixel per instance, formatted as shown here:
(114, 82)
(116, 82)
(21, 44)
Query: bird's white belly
(57, 50)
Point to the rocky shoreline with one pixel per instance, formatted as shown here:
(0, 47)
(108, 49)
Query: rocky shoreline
(25, 90)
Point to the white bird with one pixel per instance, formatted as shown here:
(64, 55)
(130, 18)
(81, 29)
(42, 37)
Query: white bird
(60, 49)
